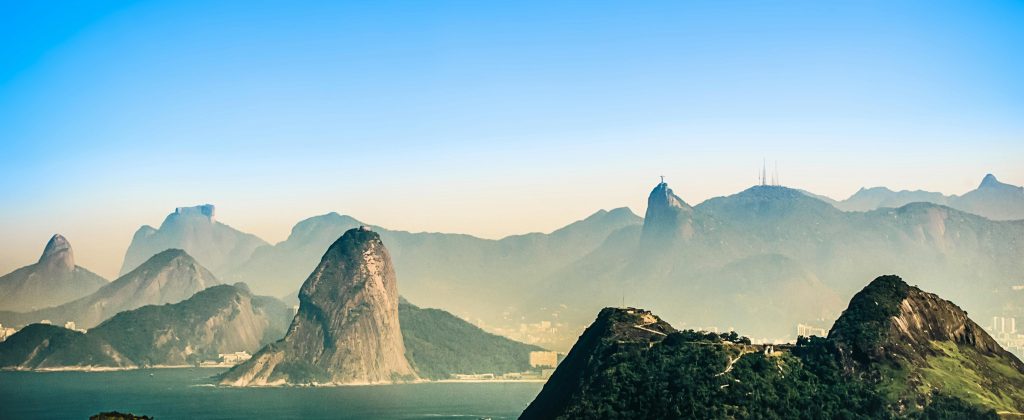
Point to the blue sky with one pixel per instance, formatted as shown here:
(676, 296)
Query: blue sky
(487, 118)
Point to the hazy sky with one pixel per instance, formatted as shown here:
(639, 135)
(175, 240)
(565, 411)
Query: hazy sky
(488, 118)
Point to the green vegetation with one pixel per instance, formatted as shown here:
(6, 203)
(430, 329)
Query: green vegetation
(153, 335)
(865, 321)
(944, 407)
(439, 344)
(48, 346)
(701, 375)
(896, 352)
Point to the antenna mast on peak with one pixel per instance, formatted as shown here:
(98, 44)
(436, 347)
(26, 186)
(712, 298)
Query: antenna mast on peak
(764, 172)
(775, 175)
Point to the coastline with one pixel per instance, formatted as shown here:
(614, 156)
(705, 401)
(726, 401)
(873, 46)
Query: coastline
(103, 368)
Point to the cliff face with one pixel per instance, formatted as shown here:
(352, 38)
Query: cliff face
(930, 343)
(53, 280)
(346, 330)
(668, 217)
(890, 320)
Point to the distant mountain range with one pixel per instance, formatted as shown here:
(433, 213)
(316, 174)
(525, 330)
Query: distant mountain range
(225, 319)
(768, 258)
(992, 199)
(167, 277)
(895, 352)
(762, 260)
(53, 280)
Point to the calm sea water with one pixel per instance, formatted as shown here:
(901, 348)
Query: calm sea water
(184, 393)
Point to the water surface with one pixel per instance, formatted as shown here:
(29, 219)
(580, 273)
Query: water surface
(185, 393)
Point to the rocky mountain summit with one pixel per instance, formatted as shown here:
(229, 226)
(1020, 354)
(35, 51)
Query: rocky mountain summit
(347, 328)
(668, 217)
(195, 230)
(53, 280)
(896, 352)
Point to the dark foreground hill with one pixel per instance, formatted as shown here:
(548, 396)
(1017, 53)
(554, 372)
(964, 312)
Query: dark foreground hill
(895, 352)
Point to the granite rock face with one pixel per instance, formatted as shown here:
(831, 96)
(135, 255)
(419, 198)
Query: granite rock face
(53, 280)
(346, 330)
(891, 320)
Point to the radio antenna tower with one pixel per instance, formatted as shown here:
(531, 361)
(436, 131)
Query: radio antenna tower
(764, 172)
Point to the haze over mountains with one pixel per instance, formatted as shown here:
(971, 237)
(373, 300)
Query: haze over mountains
(53, 280)
(229, 318)
(992, 199)
(220, 319)
(762, 260)
(170, 276)
(195, 230)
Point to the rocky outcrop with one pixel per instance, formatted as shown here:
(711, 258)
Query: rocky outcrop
(53, 280)
(896, 352)
(346, 330)
(168, 277)
(668, 217)
(890, 320)
(217, 246)
(615, 330)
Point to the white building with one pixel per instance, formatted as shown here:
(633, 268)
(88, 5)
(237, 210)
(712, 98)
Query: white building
(71, 326)
(809, 330)
(543, 359)
(234, 358)
(6, 332)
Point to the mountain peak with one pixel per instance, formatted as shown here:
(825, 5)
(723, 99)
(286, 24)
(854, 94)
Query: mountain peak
(891, 320)
(989, 181)
(668, 216)
(58, 254)
(203, 210)
(662, 196)
(346, 329)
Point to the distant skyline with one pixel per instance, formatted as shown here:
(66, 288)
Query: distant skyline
(482, 118)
